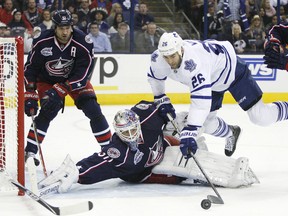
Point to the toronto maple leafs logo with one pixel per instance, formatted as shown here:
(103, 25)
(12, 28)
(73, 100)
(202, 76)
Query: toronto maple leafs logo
(190, 65)
(154, 56)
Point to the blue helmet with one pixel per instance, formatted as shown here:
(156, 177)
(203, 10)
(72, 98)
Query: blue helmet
(62, 18)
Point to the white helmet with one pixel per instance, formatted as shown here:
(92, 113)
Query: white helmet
(170, 43)
(127, 126)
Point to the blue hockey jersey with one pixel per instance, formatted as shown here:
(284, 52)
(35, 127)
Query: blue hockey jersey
(51, 62)
(117, 160)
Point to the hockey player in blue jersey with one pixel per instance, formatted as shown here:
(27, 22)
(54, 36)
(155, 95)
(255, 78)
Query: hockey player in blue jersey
(276, 47)
(142, 141)
(60, 64)
(209, 68)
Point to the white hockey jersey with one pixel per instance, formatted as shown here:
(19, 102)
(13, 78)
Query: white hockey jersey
(206, 66)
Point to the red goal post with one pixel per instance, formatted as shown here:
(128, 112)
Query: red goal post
(12, 111)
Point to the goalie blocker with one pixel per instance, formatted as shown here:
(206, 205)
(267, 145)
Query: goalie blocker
(222, 171)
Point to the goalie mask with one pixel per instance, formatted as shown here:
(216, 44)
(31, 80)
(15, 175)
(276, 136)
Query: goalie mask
(127, 126)
(170, 43)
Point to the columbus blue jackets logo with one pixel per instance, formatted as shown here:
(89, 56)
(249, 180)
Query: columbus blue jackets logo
(59, 67)
(190, 65)
(156, 153)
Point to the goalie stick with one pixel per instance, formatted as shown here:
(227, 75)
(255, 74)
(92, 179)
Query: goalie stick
(64, 210)
(211, 198)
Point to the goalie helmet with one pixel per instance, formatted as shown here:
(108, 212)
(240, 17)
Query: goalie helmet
(127, 126)
(62, 18)
(170, 43)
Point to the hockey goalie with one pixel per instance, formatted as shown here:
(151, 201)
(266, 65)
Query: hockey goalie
(144, 149)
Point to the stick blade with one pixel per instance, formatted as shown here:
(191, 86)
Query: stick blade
(215, 200)
(76, 208)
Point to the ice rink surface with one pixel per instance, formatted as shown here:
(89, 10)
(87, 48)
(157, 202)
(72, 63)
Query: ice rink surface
(266, 148)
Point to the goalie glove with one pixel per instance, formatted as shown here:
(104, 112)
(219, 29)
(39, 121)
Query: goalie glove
(31, 99)
(53, 98)
(188, 142)
(164, 107)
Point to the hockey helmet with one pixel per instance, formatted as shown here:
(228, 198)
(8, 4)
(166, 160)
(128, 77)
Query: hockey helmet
(62, 18)
(126, 124)
(170, 43)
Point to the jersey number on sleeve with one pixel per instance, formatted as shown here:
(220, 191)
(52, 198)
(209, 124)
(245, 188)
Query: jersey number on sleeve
(197, 80)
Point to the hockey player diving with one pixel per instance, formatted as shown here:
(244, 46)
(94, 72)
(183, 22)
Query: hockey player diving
(141, 151)
(209, 68)
(60, 64)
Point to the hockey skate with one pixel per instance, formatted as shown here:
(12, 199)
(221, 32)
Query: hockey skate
(31, 154)
(231, 141)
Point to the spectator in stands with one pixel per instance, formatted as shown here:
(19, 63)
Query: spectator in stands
(3, 30)
(234, 10)
(44, 4)
(70, 6)
(121, 41)
(99, 15)
(100, 40)
(214, 23)
(257, 33)
(28, 38)
(33, 14)
(17, 25)
(46, 20)
(142, 18)
(116, 8)
(238, 39)
(6, 13)
(77, 24)
(269, 11)
(147, 42)
(55, 6)
(101, 3)
(196, 13)
(119, 18)
(274, 3)
(254, 8)
(84, 11)
(271, 24)
(126, 7)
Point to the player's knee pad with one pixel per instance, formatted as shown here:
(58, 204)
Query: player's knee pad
(263, 114)
(83, 99)
(91, 108)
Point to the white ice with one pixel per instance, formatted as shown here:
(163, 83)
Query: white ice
(266, 147)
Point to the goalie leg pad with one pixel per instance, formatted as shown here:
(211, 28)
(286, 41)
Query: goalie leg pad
(221, 170)
(66, 174)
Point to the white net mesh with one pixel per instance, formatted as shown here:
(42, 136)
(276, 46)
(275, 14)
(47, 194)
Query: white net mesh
(8, 110)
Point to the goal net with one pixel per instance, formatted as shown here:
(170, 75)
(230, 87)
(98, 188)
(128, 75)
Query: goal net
(11, 111)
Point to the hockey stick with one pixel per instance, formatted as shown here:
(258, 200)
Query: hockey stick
(64, 210)
(39, 147)
(213, 199)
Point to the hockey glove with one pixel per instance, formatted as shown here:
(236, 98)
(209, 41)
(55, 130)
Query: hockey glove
(272, 44)
(276, 60)
(53, 100)
(164, 107)
(188, 142)
(31, 99)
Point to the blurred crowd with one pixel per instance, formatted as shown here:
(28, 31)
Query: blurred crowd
(243, 22)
